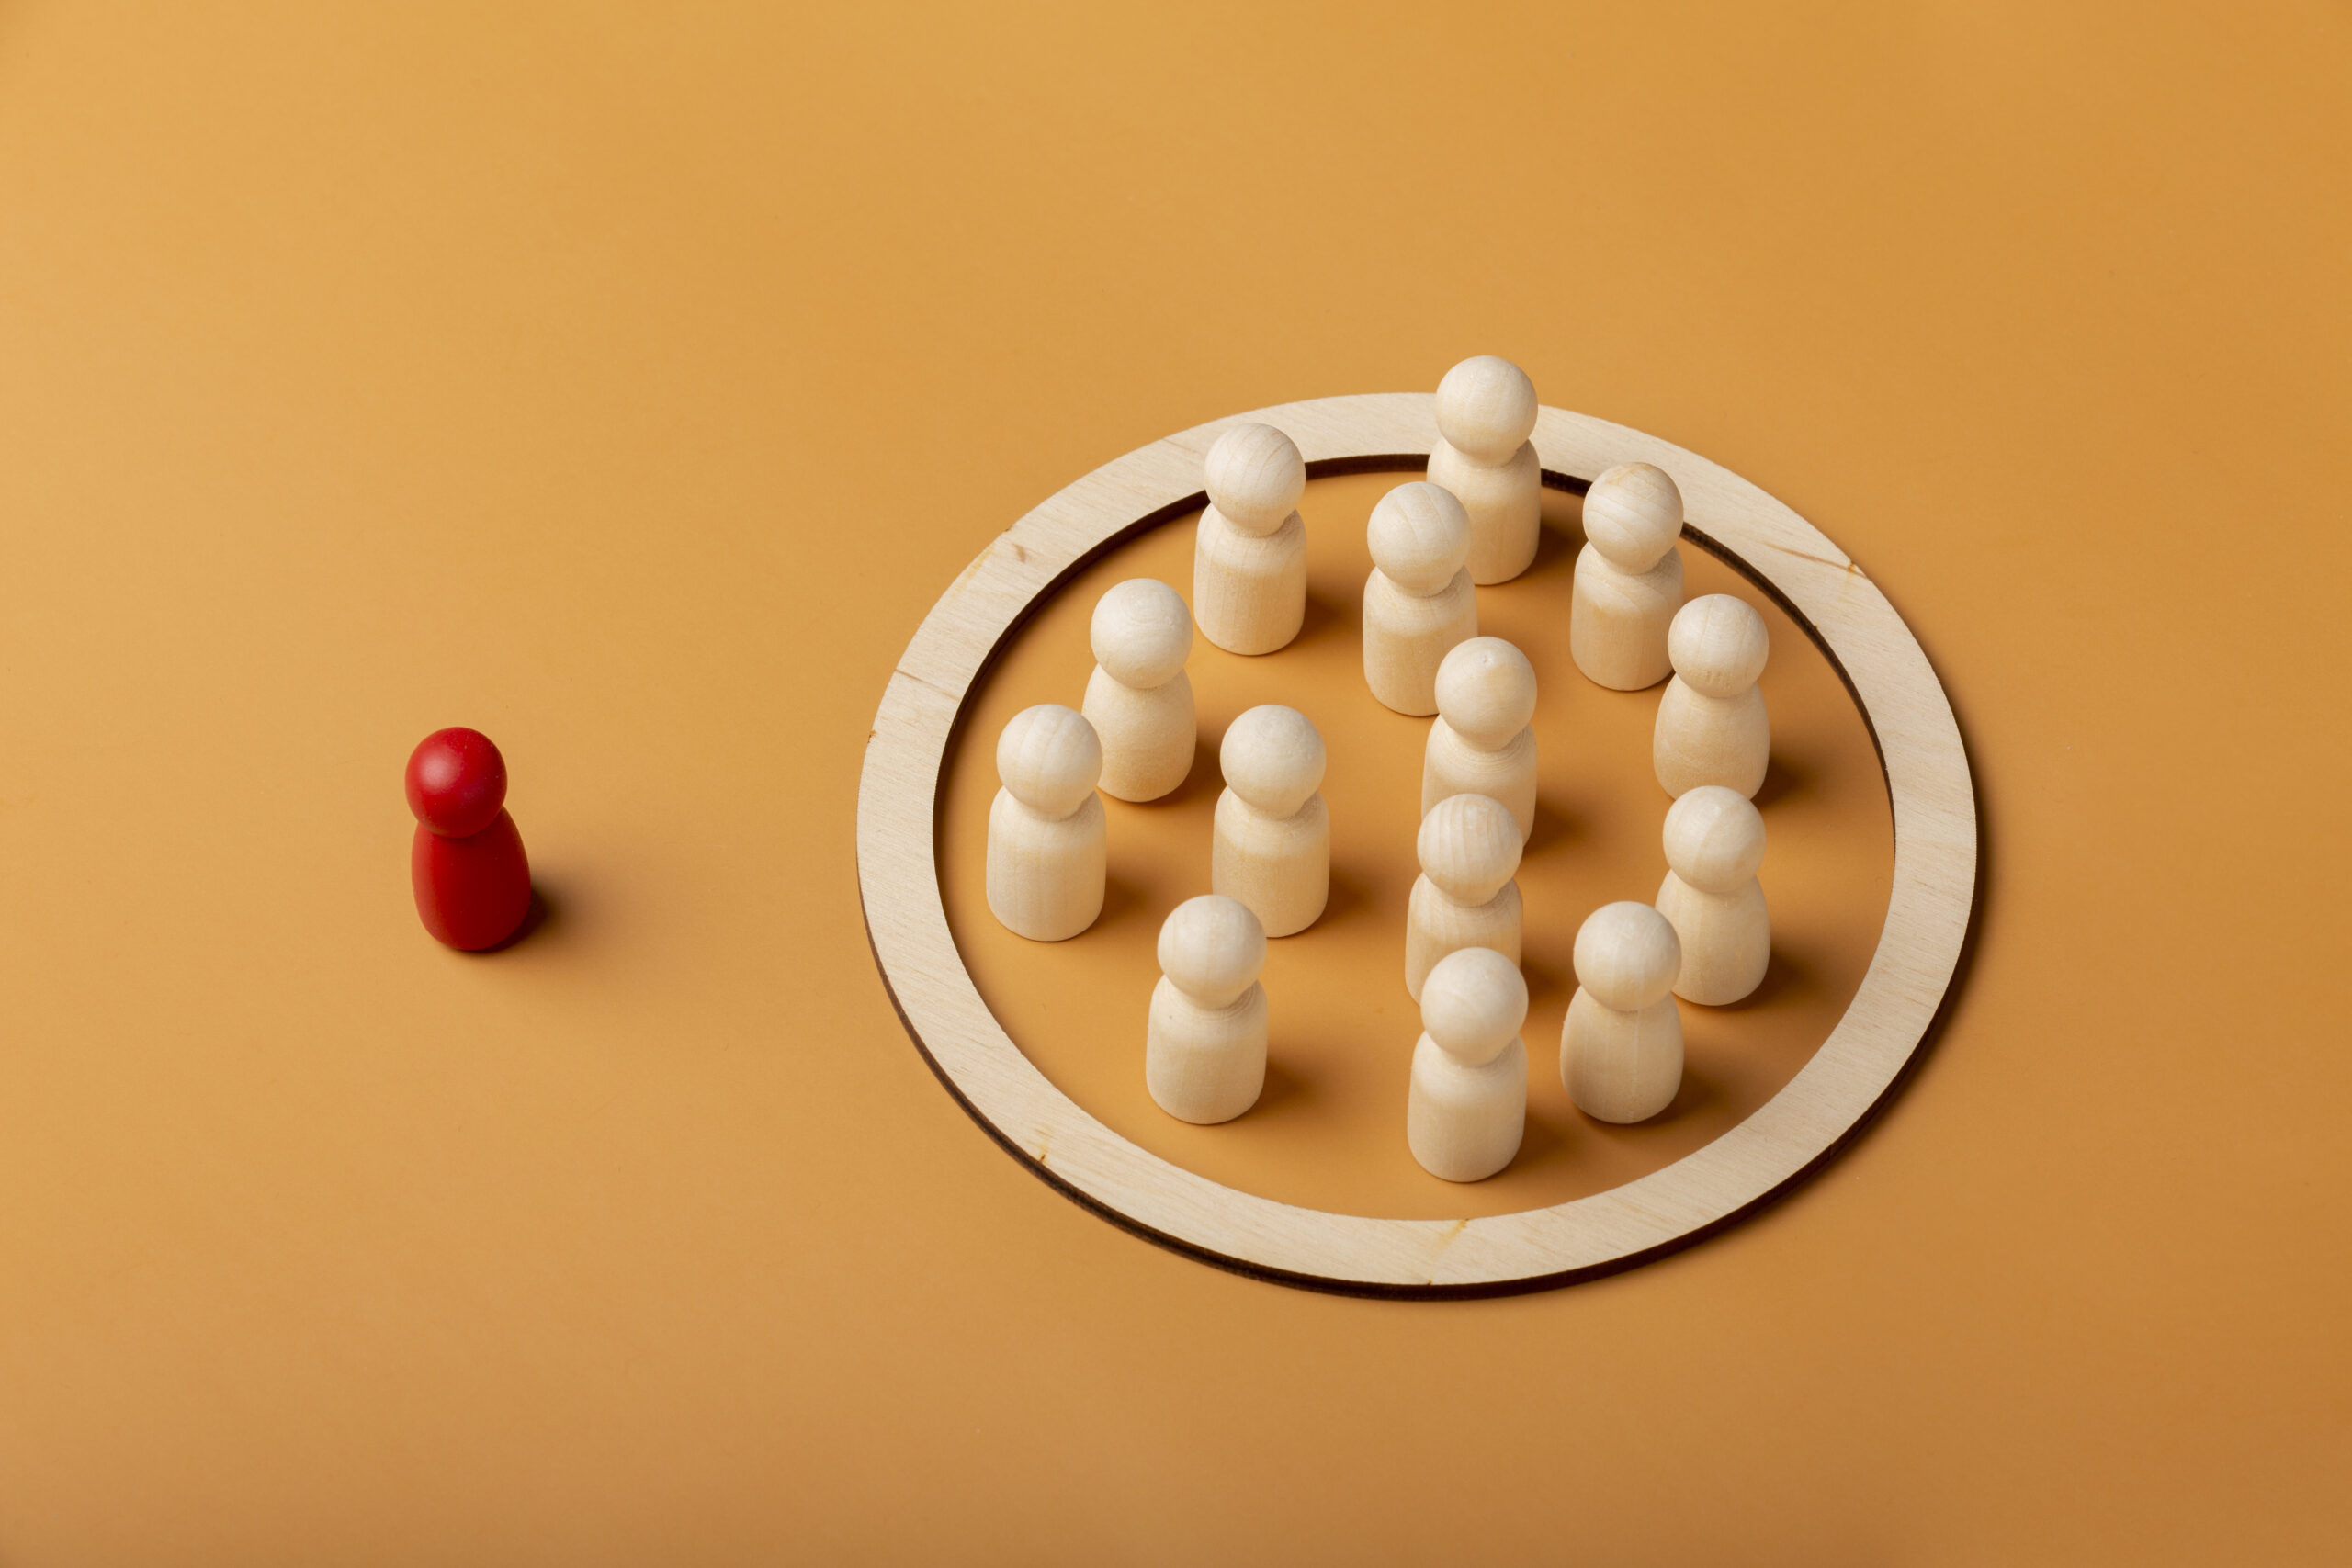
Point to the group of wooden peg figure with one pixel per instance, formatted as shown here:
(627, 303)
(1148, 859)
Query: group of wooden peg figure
(1475, 520)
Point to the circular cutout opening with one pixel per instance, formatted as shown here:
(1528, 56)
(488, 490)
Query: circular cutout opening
(1328, 1131)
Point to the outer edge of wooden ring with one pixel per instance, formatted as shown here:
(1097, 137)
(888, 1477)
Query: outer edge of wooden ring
(1930, 914)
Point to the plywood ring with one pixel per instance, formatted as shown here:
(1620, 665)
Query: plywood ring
(1918, 951)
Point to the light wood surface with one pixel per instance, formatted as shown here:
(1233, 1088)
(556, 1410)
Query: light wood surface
(1464, 1121)
(1468, 848)
(1621, 1047)
(1484, 739)
(1250, 559)
(1629, 578)
(1620, 1065)
(1204, 1049)
(1417, 600)
(1273, 844)
(1140, 699)
(1712, 727)
(1711, 897)
(1935, 867)
(1048, 848)
(1466, 1112)
(1486, 410)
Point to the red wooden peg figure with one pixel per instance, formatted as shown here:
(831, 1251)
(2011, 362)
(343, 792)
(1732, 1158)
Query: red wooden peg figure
(473, 884)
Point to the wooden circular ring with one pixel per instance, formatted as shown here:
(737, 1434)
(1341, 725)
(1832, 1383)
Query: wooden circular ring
(1927, 915)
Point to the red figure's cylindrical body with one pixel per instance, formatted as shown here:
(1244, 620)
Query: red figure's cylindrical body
(471, 893)
(472, 883)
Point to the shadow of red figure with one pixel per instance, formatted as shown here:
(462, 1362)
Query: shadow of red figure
(472, 882)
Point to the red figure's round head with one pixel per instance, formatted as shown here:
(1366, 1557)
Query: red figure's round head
(456, 782)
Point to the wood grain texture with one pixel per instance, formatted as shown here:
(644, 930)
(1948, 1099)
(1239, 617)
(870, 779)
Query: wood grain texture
(1935, 868)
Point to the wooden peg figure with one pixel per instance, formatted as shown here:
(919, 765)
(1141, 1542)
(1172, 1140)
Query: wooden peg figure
(1204, 1047)
(1621, 1047)
(1047, 846)
(1714, 842)
(466, 863)
(1712, 726)
(1483, 741)
(1628, 578)
(1486, 412)
(1140, 700)
(1418, 603)
(1466, 896)
(1272, 850)
(1250, 558)
(1467, 1107)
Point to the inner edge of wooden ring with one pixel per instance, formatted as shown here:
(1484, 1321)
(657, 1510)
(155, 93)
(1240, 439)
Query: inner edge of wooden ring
(1332, 1284)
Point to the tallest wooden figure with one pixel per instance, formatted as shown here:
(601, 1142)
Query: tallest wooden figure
(1486, 412)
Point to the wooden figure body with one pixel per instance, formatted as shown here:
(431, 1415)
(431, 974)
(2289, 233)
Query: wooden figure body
(1466, 896)
(1486, 412)
(1628, 578)
(1249, 556)
(1620, 1045)
(1140, 699)
(1049, 847)
(1483, 742)
(1273, 844)
(1418, 601)
(1714, 841)
(1204, 1046)
(1466, 1109)
(466, 868)
(1712, 726)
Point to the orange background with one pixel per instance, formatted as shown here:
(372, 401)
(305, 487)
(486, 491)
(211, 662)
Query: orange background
(628, 383)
